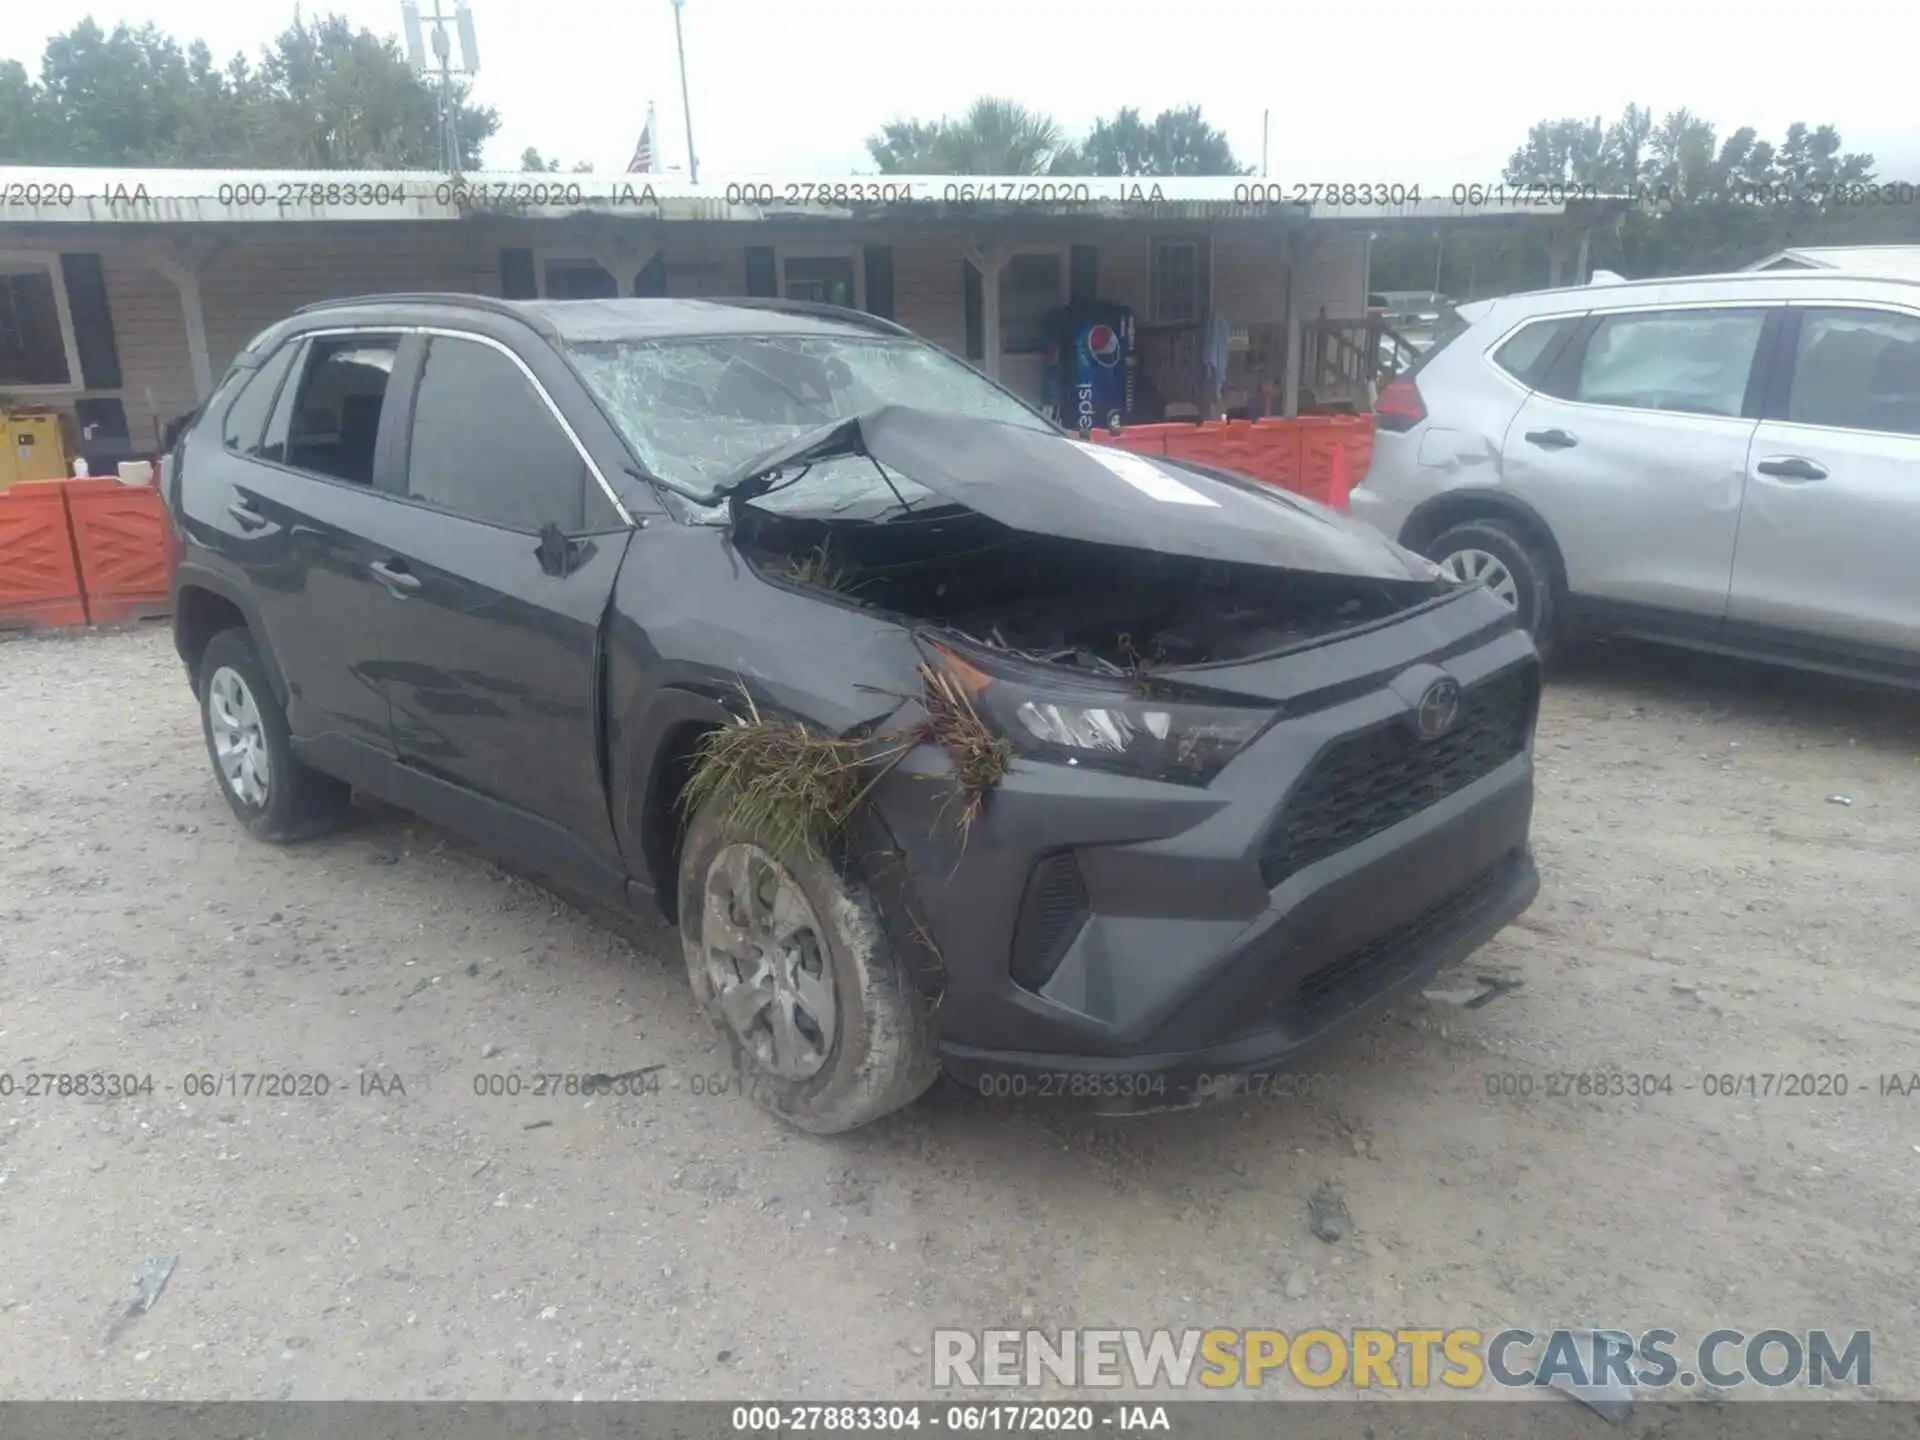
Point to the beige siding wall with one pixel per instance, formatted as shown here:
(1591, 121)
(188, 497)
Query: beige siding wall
(260, 278)
(929, 293)
(1337, 277)
(1250, 279)
(150, 334)
(264, 272)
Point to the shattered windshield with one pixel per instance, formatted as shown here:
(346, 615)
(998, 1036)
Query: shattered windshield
(695, 409)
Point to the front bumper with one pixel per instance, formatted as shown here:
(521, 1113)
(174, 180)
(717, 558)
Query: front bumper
(1292, 1000)
(1172, 962)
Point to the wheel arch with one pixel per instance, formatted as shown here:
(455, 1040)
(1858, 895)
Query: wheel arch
(204, 604)
(661, 744)
(1456, 507)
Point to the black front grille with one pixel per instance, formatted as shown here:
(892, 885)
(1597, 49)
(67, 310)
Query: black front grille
(1365, 783)
(1051, 914)
(1360, 973)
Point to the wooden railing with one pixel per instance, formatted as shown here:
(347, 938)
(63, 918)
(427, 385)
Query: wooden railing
(1342, 358)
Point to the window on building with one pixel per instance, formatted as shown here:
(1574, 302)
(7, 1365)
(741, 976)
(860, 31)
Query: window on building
(823, 279)
(1031, 285)
(578, 280)
(34, 344)
(1176, 281)
(485, 446)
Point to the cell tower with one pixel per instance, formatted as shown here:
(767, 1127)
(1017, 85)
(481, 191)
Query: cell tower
(442, 63)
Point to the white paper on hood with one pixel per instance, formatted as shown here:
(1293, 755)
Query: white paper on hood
(1145, 476)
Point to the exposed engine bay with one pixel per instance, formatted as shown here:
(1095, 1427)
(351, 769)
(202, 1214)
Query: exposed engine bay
(1104, 609)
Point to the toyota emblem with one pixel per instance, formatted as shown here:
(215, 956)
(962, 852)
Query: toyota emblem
(1438, 708)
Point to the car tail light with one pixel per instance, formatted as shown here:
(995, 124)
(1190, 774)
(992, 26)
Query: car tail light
(1400, 407)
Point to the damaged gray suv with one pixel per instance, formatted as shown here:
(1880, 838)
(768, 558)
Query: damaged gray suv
(946, 738)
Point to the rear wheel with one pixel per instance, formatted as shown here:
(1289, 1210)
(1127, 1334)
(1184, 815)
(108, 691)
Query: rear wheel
(1510, 563)
(788, 957)
(273, 794)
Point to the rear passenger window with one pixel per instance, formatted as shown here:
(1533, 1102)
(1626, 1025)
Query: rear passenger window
(485, 445)
(1695, 362)
(333, 421)
(1857, 370)
(246, 418)
(1527, 354)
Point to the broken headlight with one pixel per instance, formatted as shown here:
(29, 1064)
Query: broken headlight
(1119, 726)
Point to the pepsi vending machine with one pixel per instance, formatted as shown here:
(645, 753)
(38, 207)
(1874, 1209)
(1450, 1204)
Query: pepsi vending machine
(1091, 357)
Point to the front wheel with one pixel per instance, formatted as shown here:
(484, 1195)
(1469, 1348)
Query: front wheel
(1511, 564)
(789, 958)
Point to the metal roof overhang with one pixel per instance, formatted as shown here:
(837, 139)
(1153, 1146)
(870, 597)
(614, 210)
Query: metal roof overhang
(59, 196)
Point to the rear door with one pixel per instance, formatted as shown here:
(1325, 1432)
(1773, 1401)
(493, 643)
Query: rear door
(304, 440)
(499, 569)
(1830, 531)
(1634, 450)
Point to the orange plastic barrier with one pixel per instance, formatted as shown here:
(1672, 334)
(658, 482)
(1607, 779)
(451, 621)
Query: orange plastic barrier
(121, 535)
(1320, 456)
(39, 572)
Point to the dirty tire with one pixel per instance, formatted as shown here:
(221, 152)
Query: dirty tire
(1535, 598)
(883, 1055)
(300, 801)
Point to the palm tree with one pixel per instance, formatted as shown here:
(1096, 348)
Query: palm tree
(993, 137)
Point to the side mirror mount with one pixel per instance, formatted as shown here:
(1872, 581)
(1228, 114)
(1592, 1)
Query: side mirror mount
(558, 555)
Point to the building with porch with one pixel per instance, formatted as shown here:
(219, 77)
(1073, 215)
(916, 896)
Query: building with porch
(124, 294)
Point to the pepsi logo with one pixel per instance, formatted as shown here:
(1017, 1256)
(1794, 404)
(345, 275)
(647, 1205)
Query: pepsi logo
(1103, 344)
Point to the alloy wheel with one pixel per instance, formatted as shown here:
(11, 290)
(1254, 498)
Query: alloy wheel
(766, 962)
(239, 744)
(1478, 566)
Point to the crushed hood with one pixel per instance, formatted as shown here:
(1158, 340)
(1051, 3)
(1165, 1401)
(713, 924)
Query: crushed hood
(1052, 484)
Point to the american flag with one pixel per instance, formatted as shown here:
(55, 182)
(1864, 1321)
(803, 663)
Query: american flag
(643, 161)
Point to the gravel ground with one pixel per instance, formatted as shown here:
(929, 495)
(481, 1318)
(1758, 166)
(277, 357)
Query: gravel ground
(1708, 908)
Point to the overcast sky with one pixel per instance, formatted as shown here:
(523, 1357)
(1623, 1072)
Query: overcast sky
(1435, 92)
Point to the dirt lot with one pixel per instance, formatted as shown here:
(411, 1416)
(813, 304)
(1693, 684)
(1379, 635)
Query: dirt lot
(1707, 908)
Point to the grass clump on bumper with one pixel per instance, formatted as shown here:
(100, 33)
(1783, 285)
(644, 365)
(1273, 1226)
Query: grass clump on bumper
(795, 789)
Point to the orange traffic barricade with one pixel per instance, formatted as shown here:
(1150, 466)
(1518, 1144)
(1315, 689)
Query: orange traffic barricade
(39, 571)
(123, 541)
(1320, 456)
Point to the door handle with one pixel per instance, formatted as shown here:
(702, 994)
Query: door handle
(400, 581)
(1551, 439)
(245, 516)
(1792, 468)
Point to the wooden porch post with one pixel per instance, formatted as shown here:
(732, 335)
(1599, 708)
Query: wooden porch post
(623, 257)
(989, 258)
(183, 261)
(1299, 248)
(1556, 258)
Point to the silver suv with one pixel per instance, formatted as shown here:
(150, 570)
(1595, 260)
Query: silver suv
(1728, 461)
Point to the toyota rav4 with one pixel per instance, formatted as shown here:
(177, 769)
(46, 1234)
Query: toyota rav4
(1148, 774)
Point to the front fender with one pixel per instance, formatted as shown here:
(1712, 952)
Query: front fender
(656, 737)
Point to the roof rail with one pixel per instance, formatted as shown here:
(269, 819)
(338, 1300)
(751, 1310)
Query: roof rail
(1650, 282)
(514, 308)
(462, 298)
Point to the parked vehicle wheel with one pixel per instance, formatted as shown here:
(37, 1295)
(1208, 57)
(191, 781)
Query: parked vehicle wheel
(274, 795)
(1508, 562)
(789, 958)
